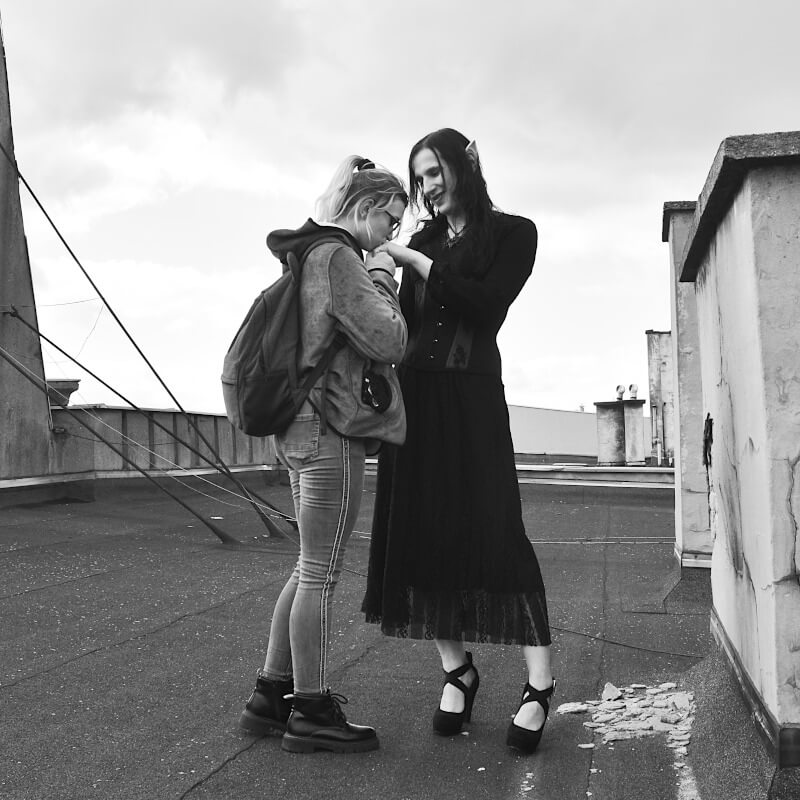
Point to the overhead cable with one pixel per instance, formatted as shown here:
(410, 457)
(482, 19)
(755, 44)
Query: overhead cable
(42, 386)
(190, 447)
(268, 523)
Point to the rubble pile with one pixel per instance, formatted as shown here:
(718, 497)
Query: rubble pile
(637, 710)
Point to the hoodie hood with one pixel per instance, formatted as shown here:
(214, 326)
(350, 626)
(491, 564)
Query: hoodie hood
(300, 241)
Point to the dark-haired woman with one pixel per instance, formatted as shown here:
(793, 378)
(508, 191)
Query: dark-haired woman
(450, 559)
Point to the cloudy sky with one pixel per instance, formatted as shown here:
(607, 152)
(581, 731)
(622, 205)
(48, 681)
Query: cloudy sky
(167, 137)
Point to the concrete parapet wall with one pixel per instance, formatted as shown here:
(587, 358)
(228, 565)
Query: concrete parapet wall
(137, 437)
(743, 255)
(693, 537)
(23, 407)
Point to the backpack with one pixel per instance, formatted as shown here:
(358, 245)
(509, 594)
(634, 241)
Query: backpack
(260, 384)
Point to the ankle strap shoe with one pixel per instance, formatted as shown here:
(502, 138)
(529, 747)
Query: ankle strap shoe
(449, 723)
(524, 739)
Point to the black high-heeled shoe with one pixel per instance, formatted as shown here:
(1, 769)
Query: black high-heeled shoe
(525, 739)
(448, 723)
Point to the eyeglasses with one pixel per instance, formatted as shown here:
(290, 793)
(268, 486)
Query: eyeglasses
(395, 222)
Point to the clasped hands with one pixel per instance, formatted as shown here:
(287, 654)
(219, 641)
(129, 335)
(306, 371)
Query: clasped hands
(398, 255)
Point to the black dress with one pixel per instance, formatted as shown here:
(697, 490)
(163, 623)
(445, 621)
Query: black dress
(449, 557)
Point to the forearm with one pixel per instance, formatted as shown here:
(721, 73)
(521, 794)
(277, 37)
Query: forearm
(407, 257)
(367, 308)
(421, 264)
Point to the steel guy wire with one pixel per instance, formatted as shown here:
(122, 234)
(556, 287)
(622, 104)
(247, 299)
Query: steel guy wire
(223, 467)
(41, 384)
(220, 466)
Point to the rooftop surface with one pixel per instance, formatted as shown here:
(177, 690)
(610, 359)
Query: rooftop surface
(131, 638)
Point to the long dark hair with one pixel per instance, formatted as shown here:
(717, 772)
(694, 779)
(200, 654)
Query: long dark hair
(450, 146)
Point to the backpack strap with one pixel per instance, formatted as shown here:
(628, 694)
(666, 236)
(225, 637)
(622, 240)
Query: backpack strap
(321, 369)
(339, 340)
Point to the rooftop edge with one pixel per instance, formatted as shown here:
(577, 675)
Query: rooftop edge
(674, 207)
(736, 156)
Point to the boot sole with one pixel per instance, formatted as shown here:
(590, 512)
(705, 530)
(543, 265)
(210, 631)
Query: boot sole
(308, 744)
(251, 723)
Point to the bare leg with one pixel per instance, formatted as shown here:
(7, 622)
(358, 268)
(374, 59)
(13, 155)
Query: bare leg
(453, 656)
(540, 676)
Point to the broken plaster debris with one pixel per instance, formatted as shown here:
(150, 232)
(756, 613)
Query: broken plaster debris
(572, 708)
(610, 692)
(638, 710)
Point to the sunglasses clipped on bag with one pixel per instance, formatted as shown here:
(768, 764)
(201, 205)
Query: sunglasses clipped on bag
(375, 391)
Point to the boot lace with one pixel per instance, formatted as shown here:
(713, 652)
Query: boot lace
(337, 701)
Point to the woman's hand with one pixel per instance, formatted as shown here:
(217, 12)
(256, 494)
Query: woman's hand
(402, 255)
(406, 257)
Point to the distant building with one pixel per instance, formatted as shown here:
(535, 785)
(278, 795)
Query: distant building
(547, 435)
(662, 409)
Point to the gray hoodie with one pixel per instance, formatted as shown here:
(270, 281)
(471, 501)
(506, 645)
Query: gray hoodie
(339, 293)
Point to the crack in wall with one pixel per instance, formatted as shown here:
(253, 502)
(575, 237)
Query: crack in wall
(708, 443)
(729, 484)
(792, 575)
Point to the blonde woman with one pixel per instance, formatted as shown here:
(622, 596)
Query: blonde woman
(353, 408)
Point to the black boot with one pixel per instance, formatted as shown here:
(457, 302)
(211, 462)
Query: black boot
(318, 723)
(267, 710)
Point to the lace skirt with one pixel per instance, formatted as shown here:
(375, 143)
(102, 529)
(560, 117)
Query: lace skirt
(449, 557)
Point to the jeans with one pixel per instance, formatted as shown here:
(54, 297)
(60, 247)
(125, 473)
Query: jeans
(327, 476)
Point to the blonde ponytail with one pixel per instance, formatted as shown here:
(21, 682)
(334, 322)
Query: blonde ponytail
(358, 180)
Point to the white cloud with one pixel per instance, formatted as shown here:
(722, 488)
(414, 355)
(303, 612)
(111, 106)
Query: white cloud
(167, 138)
